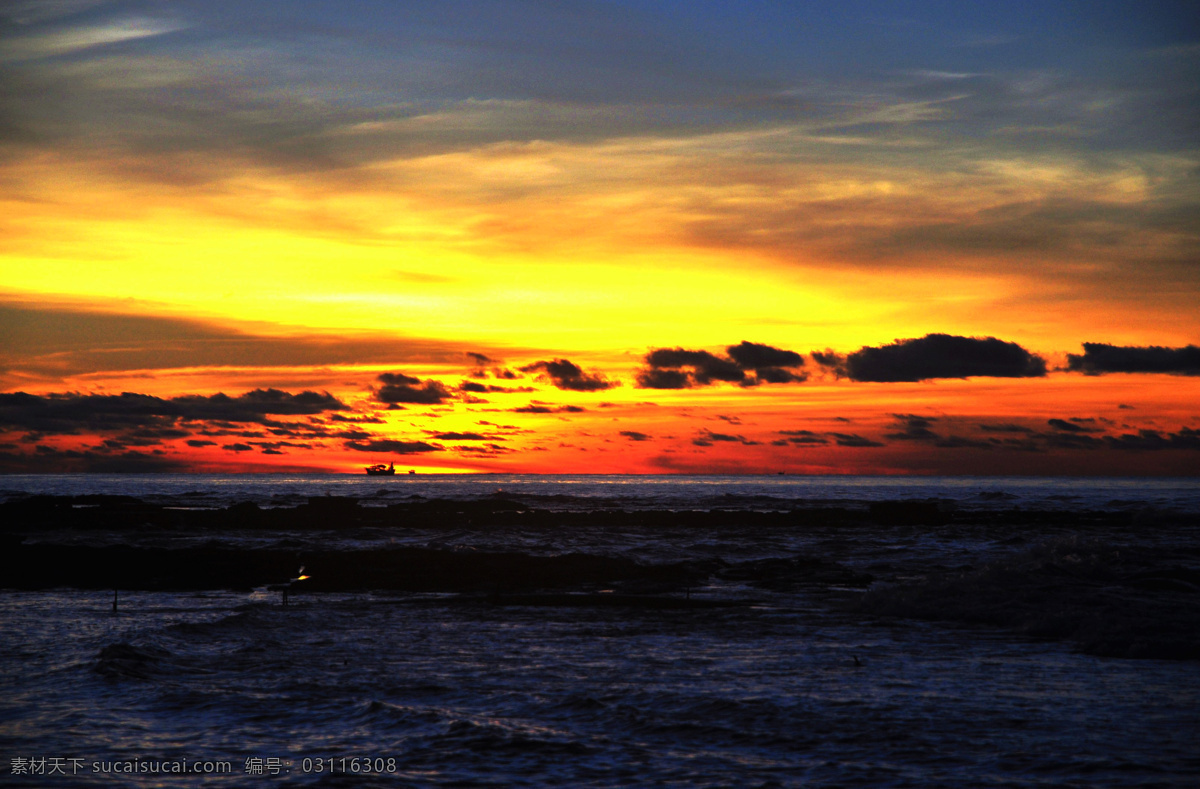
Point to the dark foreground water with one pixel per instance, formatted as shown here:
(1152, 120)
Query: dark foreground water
(970, 651)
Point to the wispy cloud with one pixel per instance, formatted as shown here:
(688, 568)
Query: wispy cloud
(62, 42)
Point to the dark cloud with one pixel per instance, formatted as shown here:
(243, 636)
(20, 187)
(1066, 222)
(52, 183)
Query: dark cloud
(498, 426)
(1069, 434)
(237, 447)
(397, 379)
(1099, 358)
(755, 356)
(484, 449)
(1021, 444)
(1151, 440)
(961, 442)
(502, 373)
(801, 438)
(699, 367)
(1007, 427)
(918, 428)
(357, 420)
(943, 356)
(111, 444)
(73, 413)
(1072, 435)
(254, 406)
(394, 447)
(144, 438)
(312, 429)
(480, 359)
(707, 437)
(633, 435)
(400, 388)
(655, 378)
(914, 428)
(198, 442)
(567, 375)
(50, 460)
(277, 445)
(1072, 426)
(238, 433)
(1069, 440)
(854, 440)
(353, 435)
(463, 437)
(471, 386)
(778, 375)
(680, 368)
(539, 408)
(157, 433)
(829, 359)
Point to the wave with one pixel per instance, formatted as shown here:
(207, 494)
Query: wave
(1107, 599)
(399, 716)
(493, 736)
(123, 660)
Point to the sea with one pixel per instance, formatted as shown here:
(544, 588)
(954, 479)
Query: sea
(1031, 632)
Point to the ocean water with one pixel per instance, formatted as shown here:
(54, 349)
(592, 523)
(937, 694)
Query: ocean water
(1021, 640)
(591, 490)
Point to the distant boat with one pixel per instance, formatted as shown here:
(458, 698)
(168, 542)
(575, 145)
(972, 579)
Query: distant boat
(380, 470)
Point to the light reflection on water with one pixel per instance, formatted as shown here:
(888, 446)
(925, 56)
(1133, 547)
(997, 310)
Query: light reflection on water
(579, 697)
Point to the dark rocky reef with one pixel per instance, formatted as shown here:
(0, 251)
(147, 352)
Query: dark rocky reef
(50, 513)
(42, 566)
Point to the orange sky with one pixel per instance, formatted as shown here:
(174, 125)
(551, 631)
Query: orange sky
(338, 218)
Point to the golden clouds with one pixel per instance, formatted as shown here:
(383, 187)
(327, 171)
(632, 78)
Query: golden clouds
(618, 243)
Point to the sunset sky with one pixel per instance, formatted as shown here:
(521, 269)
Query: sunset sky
(592, 237)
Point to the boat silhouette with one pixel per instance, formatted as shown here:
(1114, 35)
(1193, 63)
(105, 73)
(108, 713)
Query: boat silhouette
(380, 470)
